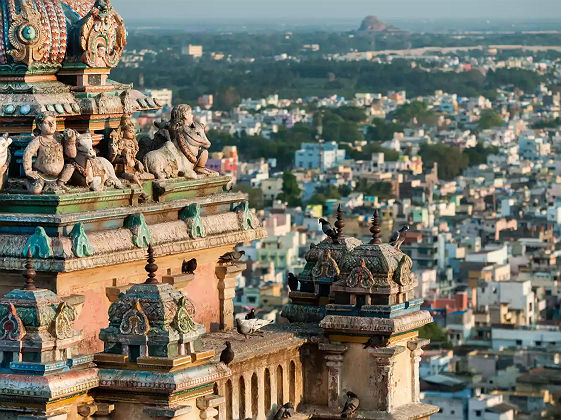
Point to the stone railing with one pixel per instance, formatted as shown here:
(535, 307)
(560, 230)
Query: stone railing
(266, 373)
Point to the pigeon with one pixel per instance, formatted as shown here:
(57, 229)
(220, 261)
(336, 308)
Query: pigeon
(351, 405)
(328, 230)
(247, 327)
(286, 411)
(292, 282)
(231, 257)
(250, 314)
(375, 342)
(227, 354)
(189, 267)
(398, 237)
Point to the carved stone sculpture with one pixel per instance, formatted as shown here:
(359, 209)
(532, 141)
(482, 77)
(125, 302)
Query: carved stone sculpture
(185, 151)
(51, 150)
(26, 33)
(103, 36)
(123, 149)
(5, 157)
(90, 170)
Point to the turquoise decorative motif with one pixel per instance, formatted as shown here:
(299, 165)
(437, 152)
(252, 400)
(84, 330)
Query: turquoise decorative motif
(245, 215)
(141, 236)
(81, 245)
(39, 243)
(29, 33)
(192, 215)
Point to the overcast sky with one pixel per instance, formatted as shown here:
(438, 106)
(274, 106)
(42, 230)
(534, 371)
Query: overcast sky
(248, 10)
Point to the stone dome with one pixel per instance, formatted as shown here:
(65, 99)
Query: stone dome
(38, 36)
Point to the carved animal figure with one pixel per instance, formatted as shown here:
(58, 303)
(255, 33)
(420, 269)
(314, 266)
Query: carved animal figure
(247, 327)
(286, 411)
(90, 170)
(185, 150)
(5, 141)
(328, 230)
(351, 405)
(227, 354)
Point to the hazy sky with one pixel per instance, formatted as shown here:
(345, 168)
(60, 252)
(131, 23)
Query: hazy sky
(249, 10)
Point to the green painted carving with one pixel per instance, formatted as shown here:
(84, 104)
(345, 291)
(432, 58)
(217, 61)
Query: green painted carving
(192, 215)
(141, 236)
(245, 215)
(81, 245)
(183, 321)
(39, 243)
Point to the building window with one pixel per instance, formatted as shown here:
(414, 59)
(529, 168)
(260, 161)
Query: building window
(518, 342)
(478, 413)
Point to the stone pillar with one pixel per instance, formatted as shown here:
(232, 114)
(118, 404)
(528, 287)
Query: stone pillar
(227, 283)
(208, 406)
(261, 413)
(334, 361)
(384, 359)
(235, 396)
(416, 348)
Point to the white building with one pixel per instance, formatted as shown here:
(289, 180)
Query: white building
(532, 147)
(322, 155)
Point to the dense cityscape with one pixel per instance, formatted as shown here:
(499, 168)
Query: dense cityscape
(470, 167)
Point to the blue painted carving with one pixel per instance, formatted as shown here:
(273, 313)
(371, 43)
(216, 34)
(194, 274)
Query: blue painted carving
(39, 243)
(192, 215)
(141, 236)
(81, 245)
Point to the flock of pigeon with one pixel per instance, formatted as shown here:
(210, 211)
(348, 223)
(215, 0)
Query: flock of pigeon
(249, 324)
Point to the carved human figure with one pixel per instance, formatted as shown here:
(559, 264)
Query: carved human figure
(51, 150)
(5, 142)
(123, 149)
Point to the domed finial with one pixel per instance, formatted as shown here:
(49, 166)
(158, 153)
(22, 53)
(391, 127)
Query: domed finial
(151, 268)
(29, 272)
(375, 228)
(339, 224)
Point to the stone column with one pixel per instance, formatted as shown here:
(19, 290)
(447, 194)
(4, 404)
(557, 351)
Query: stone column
(416, 348)
(384, 359)
(261, 413)
(334, 362)
(208, 406)
(227, 283)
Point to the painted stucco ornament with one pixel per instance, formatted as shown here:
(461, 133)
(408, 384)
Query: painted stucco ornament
(12, 326)
(192, 216)
(81, 245)
(26, 35)
(39, 243)
(183, 321)
(244, 215)
(135, 321)
(5, 158)
(326, 267)
(103, 36)
(141, 236)
(360, 277)
(64, 321)
(185, 147)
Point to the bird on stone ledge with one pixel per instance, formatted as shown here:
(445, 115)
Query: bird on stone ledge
(247, 327)
(227, 354)
(189, 267)
(328, 230)
(286, 411)
(398, 237)
(292, 282)
(250, 314)
(375, 342)
(231, 257)
(351, 405)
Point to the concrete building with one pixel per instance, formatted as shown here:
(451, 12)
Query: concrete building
(322, 155)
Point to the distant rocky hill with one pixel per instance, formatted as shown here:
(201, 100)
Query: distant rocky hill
(373, 24)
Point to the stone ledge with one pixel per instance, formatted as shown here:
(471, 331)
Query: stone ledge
(413, 411)
(169, 412)
(178, 280)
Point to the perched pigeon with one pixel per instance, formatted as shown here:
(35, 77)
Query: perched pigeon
(251, 326)
(250, 314)
(375, 342)
(286, 411)
(398, 236)
(328, 230)
(231, 257)
(189, 267)
(292, 282)
(227, 354)
(351, 405)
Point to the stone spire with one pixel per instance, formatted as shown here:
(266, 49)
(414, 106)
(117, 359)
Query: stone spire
(375, 228)
(29, 272)
(151, 268)
(339, 224)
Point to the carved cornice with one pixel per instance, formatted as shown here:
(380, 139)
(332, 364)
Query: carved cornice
(385, 326)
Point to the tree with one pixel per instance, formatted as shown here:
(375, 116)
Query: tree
(451, 162)
(436, 334)
(382, 130)
(490, 119)
(290, 190)
(254, 195)
(381, 189)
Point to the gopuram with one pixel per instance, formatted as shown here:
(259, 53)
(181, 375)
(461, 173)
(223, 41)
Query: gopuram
(98, 319)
